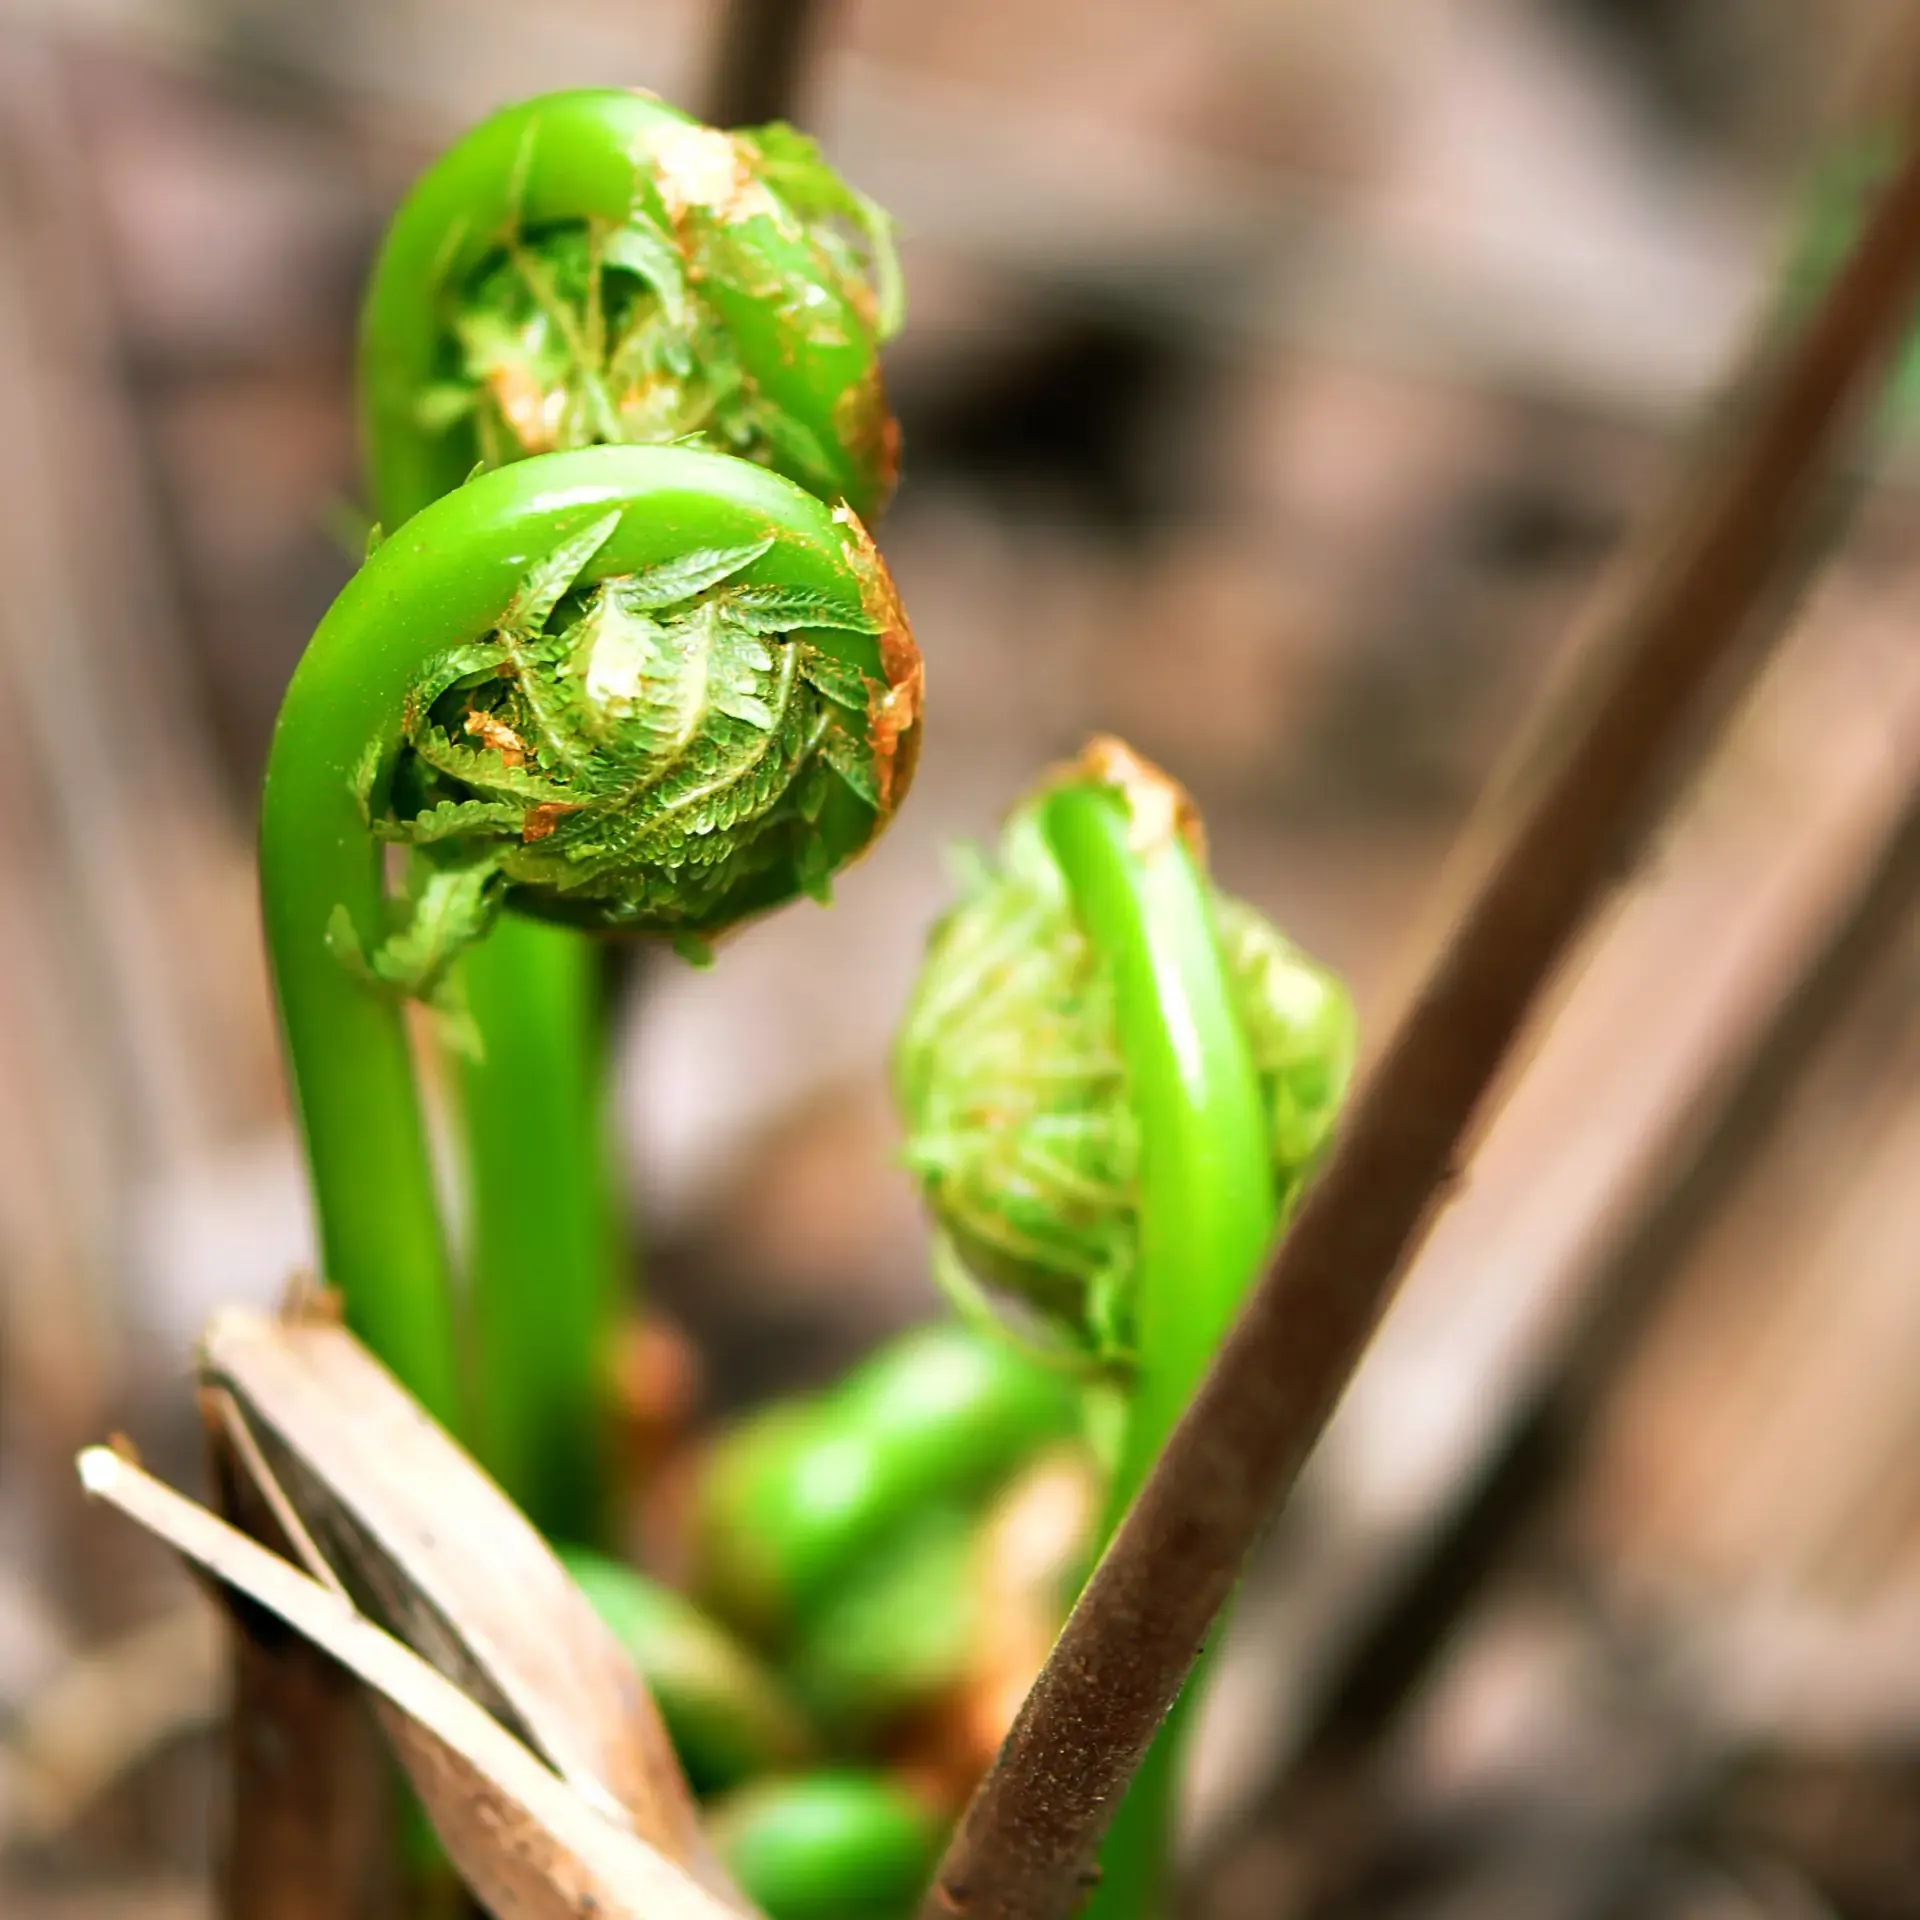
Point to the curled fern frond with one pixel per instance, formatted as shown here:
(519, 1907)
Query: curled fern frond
(595, 267)
(664, 727)
(644, 688)
(1011, 1081)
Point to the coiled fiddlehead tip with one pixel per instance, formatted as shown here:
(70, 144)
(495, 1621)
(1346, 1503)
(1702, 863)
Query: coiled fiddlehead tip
(669, 747)
(594, 266)
(1009, 1076)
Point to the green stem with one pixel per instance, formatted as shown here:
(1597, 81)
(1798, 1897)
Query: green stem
(544, 1257)
(444, 580)
(352, 1073)
(1207, 1202)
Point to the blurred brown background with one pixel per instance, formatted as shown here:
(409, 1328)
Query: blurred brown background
(1279, 375)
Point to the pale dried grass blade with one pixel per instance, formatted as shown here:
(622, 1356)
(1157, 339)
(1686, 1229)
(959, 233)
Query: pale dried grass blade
(526, 1843)
(374, 1495)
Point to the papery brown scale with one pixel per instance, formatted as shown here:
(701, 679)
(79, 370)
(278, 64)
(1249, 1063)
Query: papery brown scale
(493, 732)
(893, 717)
(523, 405)
(538, 822)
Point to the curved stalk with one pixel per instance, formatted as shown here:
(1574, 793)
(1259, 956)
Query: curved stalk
(1207, 1205)
(723, 570)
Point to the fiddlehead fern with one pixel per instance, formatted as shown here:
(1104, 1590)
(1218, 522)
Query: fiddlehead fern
(1114, 1082)
(1013, 1077)
(876, 1545)
(594, 267)
(455, 699)
(666, 749)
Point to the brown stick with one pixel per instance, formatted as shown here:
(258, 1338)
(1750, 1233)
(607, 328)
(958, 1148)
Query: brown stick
(1488, 1523)
(309, 1818)
(1026, 1848)
(760, 60)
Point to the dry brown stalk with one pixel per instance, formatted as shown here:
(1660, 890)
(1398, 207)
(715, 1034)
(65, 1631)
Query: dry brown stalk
(1684, 628)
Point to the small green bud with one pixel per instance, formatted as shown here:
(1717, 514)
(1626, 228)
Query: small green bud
(1009, 1076)
(594, 267)
(828, 1846)
(900, 1630)
(798, 1498)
